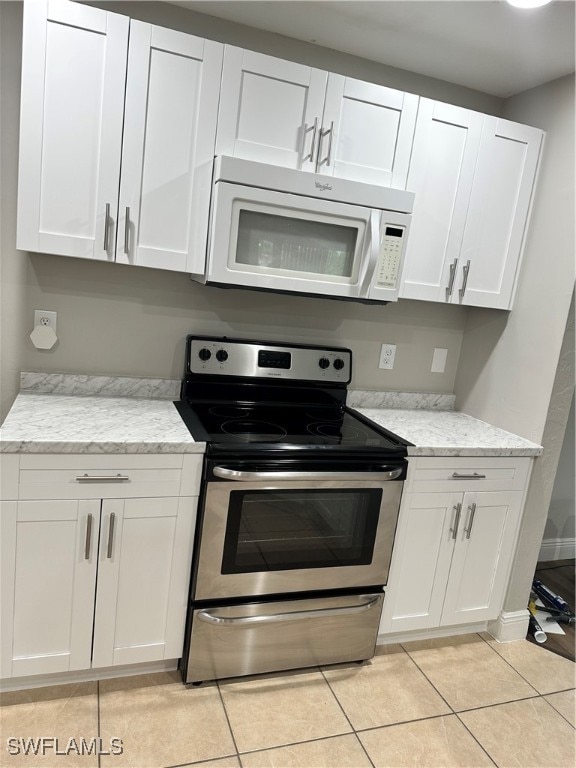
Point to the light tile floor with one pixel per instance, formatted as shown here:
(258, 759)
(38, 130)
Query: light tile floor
(462, 701)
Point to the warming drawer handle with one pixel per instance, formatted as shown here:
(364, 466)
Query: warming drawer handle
(86, 478)
(473, 476)
(294, 616)
(241, 475)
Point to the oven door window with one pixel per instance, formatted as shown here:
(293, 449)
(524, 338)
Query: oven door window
(276, 530)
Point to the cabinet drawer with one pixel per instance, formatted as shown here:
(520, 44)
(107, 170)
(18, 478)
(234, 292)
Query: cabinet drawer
(88, 476)
(469, 474)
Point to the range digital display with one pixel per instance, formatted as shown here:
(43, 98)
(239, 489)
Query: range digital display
(267, 359)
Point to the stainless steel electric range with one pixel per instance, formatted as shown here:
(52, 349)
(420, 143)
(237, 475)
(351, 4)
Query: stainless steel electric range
(297, 514)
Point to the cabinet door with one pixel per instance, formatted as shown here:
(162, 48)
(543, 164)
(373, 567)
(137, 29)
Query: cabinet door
(73, 75)
(143, 578)
(270, 109)
(482, 556)
(441, 174)
(171, 109)
(367, 132)
(420, 561)
(48, 582)
(498, 213)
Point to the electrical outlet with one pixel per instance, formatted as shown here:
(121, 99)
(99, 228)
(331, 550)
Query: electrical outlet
(387, 355)
(46, 318)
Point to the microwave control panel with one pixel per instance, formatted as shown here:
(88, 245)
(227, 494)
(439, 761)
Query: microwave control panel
(390, 257)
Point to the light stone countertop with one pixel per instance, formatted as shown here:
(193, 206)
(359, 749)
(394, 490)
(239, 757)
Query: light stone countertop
(58, 423)
(39, 423)
(449, 433)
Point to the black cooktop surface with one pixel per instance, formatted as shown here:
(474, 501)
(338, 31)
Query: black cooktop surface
(275, 426)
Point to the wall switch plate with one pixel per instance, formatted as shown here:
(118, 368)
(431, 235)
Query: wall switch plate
(439, 360)
(46, 318)
(387, 355)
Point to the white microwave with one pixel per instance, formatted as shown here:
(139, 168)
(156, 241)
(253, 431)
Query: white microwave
(278, 229)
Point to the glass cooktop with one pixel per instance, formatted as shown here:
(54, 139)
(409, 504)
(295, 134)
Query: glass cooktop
(274, 425)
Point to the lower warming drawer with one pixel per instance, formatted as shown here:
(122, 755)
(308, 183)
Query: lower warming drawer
(251, 638)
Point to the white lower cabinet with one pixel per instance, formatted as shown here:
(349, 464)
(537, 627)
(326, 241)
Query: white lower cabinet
(95, 582)
(453, 550)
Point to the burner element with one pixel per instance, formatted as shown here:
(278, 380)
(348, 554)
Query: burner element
(328, 413)
(254, 431)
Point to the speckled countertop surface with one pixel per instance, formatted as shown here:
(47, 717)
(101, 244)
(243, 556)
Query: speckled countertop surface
(39, 423)
(449, 433)
(61, 413)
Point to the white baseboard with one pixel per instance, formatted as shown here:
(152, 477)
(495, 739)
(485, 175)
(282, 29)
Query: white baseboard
(86, 675)
(510, 626)
(557, 549)
(428, 634)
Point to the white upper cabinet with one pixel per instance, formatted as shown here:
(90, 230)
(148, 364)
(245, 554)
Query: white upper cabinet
(270, 109)
(499, 207)
(367, 132)
(169, 133)
(282, 113)
(96, 119)
(73, 66)
(473, 176)
(441, 174)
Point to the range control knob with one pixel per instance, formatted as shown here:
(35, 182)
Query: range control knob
(338, 363)
(323, 362)
(221, 355)
(204, 354)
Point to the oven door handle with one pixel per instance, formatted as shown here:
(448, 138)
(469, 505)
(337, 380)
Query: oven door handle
(241, 475)
(208, 617)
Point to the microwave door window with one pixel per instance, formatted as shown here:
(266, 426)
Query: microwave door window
(272, 243)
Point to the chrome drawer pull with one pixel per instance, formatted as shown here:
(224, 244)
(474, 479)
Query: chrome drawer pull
(110, 536)
(294, 616)
(127, 231)
(87, 546)
(454, 530)
(102, 478)
(240, 475)
(472, 509)
(473, 476)
(465, 271)
(313, 128)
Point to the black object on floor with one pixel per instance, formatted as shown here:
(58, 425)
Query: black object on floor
(558, 575)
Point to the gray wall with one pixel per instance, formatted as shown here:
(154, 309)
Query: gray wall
(129, 320)
(561, 518)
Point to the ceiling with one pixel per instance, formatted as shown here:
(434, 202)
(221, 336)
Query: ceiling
(482, 44)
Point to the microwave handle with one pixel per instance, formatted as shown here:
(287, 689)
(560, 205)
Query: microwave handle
(371, 256)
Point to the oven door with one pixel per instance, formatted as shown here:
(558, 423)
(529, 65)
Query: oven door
(274, 536)
(284, 242)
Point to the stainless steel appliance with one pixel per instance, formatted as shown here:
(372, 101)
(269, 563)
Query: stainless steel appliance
(298, 512)
(284, 230)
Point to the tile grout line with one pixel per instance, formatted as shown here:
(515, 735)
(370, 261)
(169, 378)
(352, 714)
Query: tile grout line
(229, 723)
(509, 664)
(358, 739)
(556, 710)
(482, 747)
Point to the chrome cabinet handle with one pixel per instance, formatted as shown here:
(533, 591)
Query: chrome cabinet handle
(454, 530)
(329, 132)
(294, 616)
(465, 270)
(472, 509)
(110, 535)
(240, 475)
(102, 478)
(450, 286)
(88, 537)
(473, 476)
(106, 227)
(127, 231)
(314, 129)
